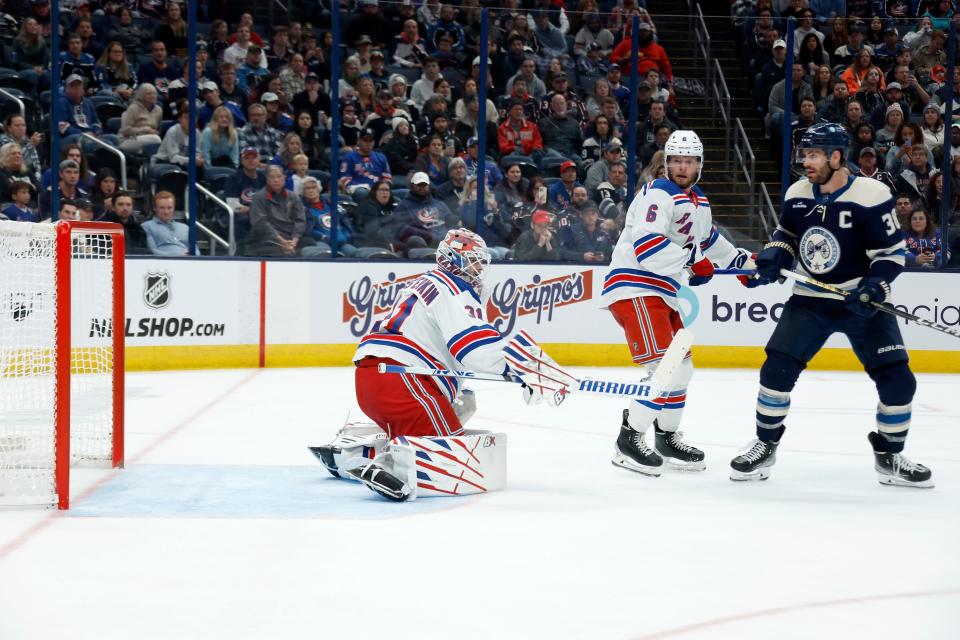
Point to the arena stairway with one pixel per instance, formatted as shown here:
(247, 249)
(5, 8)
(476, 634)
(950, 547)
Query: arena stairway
(724, 187)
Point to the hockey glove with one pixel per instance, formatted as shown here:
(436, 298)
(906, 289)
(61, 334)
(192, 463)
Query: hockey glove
(746, 261)
(868, 291)
(775, 256)
(700, 272)
(542, 378)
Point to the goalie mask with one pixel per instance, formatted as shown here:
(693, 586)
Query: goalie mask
(464, 254)
(683, 143)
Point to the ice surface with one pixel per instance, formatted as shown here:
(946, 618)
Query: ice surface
(224, 526)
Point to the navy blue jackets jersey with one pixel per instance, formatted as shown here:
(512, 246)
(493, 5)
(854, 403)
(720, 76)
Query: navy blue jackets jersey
(842, 237)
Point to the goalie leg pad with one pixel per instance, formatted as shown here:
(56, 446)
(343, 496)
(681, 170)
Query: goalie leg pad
(475, 462)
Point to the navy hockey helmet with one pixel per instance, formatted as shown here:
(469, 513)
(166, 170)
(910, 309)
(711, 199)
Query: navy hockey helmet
(827, 136)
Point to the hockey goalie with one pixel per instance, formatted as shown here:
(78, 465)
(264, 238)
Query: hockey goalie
(417, 444)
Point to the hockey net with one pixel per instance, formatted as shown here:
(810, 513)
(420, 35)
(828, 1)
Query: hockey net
(61, 362)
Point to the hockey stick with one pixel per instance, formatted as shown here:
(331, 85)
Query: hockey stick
(734, 272)
(648, 390)
(644, 390)
(880, 306)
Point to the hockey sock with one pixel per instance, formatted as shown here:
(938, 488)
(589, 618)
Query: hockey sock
(668, 408)
(772, 408)
(641, 415)
(778, 375)
(893, 424)
(673, 401)
(895, 386)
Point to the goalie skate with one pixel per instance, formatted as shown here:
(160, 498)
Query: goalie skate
(632, 453)
(381, 481)
(676, 453)
(897, 470)
(352, 441)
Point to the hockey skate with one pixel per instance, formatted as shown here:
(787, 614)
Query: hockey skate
(896, 469)
(352, 441)
(380, 481)
(632, 452)
(676, 453)
(755, 462)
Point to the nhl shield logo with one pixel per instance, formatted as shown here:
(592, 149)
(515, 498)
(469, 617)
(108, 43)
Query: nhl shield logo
(156, 289)
(819, 250)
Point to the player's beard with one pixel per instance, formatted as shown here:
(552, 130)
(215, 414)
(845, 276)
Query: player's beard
(687, 182)
(822, 175)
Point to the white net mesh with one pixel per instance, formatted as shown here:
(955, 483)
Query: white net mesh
(91, 382)
(28, 340)
(27, 362)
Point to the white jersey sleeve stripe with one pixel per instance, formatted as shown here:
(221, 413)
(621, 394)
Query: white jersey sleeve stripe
(470, 338)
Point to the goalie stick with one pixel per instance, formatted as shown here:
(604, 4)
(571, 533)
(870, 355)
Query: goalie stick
(880, 306)
(652, 388)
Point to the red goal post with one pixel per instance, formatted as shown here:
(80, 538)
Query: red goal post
(61, 355)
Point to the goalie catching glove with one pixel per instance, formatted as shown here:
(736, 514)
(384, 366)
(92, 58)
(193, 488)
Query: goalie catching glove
(542, 378)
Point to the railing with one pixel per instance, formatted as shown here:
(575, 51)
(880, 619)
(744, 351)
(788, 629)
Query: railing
(231, 242)
(114, 151)
(214, 238)
(746, 162)
(702, 42)
(23, 108)
(721, 95)
(766, 213)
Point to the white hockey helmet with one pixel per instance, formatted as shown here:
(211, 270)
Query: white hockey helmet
(464, 254)
(683, 142)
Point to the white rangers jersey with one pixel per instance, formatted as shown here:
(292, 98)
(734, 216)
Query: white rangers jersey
(666, 230)
(437, 321)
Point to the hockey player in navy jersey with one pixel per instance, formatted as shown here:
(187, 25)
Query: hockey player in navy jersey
(668, 240)
(841, 230)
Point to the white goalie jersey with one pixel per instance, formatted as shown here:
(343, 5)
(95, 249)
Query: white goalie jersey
(438, 322)
(666, 230)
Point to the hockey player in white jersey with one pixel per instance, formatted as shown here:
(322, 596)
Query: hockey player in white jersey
(669, 240)
(418, 444)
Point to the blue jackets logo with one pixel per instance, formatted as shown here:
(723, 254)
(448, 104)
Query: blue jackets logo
(819, 250)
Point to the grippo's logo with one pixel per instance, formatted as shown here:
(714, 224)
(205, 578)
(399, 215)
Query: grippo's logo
(156, 289)
(365, 299)
(510, 300)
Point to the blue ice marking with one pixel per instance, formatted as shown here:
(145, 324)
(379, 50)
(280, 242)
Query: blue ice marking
(209, 491)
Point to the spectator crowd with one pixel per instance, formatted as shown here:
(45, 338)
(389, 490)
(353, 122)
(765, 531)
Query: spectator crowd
(879, 68)
(408, 83)
(555, 126)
